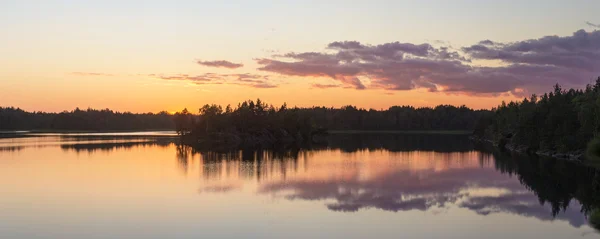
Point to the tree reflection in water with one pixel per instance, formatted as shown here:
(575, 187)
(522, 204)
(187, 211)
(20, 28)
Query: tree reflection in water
(545, 188)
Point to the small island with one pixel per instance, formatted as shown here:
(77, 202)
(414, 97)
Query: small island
(250, 125)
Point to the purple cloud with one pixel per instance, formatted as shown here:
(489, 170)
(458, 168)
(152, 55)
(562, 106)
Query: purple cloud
(535, 64)
(223, 64)
(317, 65)
(520, 68)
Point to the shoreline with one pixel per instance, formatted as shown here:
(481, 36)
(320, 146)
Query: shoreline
(52, 131)
(575, 156)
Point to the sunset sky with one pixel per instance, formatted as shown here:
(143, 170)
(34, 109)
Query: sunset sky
(148, 56)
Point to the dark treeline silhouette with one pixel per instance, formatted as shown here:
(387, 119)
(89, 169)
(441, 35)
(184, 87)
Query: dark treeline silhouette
(560, 121)
(441, 117)
(259, 124)
(249, 116)
(84, 120)
(250, 124)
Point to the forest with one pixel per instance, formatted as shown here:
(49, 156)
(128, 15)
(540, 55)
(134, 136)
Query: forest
(562, 121)
(403, 118)
(83, 120)
(249, 114)
(255, 123)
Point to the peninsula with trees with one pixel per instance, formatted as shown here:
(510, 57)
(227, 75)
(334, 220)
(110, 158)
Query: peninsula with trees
(561, 123)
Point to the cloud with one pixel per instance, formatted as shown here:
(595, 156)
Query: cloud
(262, 85)
(252, 80)
(90, 74)
(592, 24)
(207, 77)
(519, 68)
(325, 86)
(223, 64)
(317, 66)
(245, 79)
(581, 51)
(392, 65)
(535, 64)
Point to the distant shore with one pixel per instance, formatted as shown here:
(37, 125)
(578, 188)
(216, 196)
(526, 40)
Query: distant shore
(574, 155)
(453, 132)
(54, 131)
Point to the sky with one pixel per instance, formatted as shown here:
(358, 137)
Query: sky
(149, 56)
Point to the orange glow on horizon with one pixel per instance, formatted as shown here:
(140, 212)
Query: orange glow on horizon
(141, 94)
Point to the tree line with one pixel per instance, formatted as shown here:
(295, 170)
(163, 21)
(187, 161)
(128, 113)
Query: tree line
(561, 120)
(442, 117)
(258, 121)
(85, 120)
(250, 115)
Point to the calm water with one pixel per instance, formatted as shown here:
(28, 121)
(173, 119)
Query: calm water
(369, 186)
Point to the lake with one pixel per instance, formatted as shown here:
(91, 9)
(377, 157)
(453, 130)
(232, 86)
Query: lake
(144, 185)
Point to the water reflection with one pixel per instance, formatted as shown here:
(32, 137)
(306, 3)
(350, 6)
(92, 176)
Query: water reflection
(409, 177)
(111, 145)
(400, 142)
(11, 148)
(16, 141)
(350, 176)
(554, 182)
